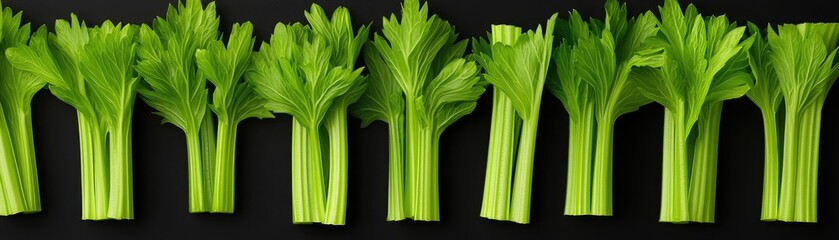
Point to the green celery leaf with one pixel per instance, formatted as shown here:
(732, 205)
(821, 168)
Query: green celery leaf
(294, 74)
(173, 85)
(19, 86)
(698, 54)
(233, 99)
(411, 44)
(455, 83)
(107, 63)
(766, 92)
(520, 70)
(566, 84)
(805, 66)
(382, 99)
(55, 59)
(346, 45)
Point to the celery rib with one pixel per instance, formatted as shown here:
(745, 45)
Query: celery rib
(199, 196)
(224, 175)
(601, 193)
(397, 199)
(771, 173)
(703, 176)
(336, 203)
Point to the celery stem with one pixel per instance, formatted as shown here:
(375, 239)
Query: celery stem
(770, 168)
(300, 176)
(121, 205)
(786, 202)
(315, 167)
(674, 206)
(199, 195)
(703, 177)
(500, 158)
(10, 183)
(520, 205)
(426, 201)
(601, 195)
(223, 192)
(396, 204)
(21, 125)
(336, 202)
(412, 137)
(807, 182)
(101, 168)
(88, 189)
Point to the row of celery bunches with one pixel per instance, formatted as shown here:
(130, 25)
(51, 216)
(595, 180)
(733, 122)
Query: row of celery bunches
(419, 80)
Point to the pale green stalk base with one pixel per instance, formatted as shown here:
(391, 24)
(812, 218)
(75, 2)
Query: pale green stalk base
(19, 191)
(336, 198)
(579, 186)
(212, 166)
(21, 132)
(121, 205)
(421, 167)
(304, 208)
(690, 166)
(94, 171)
(601, 194)
(426, 204)
(412, 140)
(703, 176)
(11, 190)
(504, 131)
(808, 169)
(101, 166)
(88, 191)
(512, 142)
(799, 179)
(307, 177)
(199, 193)
(207, 134)
(224, 175)
(396, 204)
(799, 172)
(317, 189)
(434, 188)
(522, 182)
(674, 183)
(786, 204)
(769, 209)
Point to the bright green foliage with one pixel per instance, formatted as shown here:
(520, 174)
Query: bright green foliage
(703, 63)
(18, 171)
(308, 72)
(174, 86)
(422, 56)
(516, 64)
(804, 60)
(233, 101)
(597, 84)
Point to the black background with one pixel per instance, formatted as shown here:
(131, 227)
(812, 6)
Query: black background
(263, 201)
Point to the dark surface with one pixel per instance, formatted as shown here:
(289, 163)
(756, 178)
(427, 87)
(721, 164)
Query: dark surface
(263, 201)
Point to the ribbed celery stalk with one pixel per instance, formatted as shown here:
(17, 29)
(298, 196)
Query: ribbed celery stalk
(503, 136)
(516, 64)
